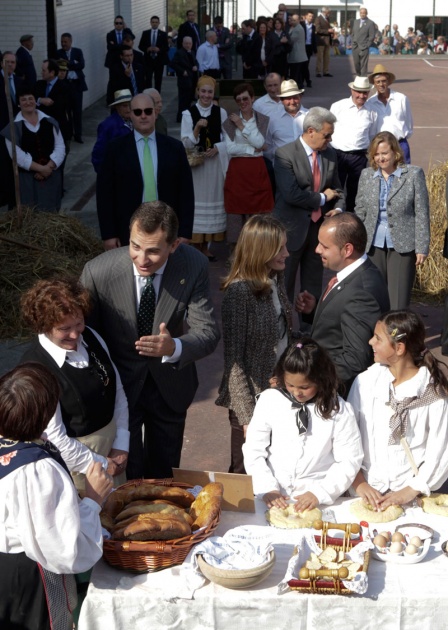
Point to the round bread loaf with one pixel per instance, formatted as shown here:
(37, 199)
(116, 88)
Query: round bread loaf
(365, 512)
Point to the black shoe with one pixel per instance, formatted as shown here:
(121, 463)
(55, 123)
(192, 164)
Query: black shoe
(78, 139)
(319, 76)
(328, 75)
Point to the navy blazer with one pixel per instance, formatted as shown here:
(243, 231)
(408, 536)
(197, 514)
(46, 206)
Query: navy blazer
(161, 42)
(25, 66)
(118, 80)
(120, 185)
(75, 64)
(188, 30)
(4, 116)
(113, 47)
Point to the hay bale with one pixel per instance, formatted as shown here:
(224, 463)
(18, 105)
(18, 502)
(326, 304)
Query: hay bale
(431, 282)
(46, 246)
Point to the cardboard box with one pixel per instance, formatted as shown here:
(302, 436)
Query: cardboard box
(238, 489)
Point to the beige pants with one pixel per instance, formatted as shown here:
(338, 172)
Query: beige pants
(99, 442)
(323, 59)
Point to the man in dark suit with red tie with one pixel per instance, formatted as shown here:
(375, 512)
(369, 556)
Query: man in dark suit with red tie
(154, 45)
(114, 40)
(122, 182)
(346, 314)
(189, 29)
(308, 189)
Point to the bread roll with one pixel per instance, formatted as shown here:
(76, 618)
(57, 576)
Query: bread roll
(209, 491)
(208, 513)
(152, 528)
(153, 508)
(116, 501)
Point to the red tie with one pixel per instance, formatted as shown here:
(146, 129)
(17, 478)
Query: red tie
(330, 285)
(317, 213)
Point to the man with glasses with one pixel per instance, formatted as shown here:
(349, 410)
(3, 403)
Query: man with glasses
(114, 40)
(143, 166)
(308, 190)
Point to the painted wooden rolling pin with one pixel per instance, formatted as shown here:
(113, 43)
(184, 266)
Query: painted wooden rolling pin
(306, 574)
(355, 528)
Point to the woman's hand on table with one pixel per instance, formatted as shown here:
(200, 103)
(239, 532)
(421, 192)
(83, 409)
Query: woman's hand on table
(98, 483)
(406, 495)
(276, 499)
(306, 501)
(120, 459)
(369, 495)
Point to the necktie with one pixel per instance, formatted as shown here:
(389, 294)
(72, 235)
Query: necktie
(148, 174)
(330, 285)
(12, 89)
(134, 83)
(317, 213)
(119, 37)
(147, 308)
(47, 89)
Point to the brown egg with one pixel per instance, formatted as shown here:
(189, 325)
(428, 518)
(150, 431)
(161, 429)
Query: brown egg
(397, 537)
(411, 550)
(380, 541)
(416, 540)
(396, 547)
(386, 535)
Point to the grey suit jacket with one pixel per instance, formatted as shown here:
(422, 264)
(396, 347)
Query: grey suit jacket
(345, 320)
(407, 209)
(184, 295)
(295, 199)
(362, 37)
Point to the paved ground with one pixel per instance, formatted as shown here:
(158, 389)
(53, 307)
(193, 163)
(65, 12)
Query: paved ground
(206, 444)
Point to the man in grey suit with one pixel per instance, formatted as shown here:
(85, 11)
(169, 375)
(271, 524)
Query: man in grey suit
(346, 314)
(141, 296)
(363, 34)
(308, 189)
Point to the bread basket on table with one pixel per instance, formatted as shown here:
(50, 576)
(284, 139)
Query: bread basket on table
(154, 555)
(330, 581)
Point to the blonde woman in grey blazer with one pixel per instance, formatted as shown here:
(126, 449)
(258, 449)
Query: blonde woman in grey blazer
(393, 203)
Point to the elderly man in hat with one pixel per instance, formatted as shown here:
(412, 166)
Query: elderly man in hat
(355, 127)
(393, 108)
(114, 126)
(25, 64)
(286, 126)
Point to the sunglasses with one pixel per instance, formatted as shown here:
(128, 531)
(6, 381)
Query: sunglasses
(242, 99)
(138, 112)
(118, 22)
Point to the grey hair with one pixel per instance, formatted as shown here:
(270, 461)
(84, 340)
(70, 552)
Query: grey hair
(317, 117)
(325, 9)
(271, 75)
(208, 33)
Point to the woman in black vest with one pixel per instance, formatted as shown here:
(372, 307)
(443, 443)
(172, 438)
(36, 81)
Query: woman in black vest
(91, 422)
(40, 153)
(201, 130)
(46, 533)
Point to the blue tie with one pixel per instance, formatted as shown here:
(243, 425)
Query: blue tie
(12, 89)
(134, 83)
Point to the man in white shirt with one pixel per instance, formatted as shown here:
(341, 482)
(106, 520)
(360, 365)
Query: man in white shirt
(207, 56)
(270, 104)
(286, 126)
(393, 109)
(355, 127)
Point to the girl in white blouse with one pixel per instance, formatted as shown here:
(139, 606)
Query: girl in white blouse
(401, 404)
(302, 442)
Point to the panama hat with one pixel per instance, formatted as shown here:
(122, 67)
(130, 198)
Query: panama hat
(121, 96)
(360, 84)
(289, 88)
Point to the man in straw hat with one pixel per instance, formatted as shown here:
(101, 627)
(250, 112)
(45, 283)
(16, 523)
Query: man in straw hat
(355, 127)
(393, 109)
(117, 124)
(287, 125)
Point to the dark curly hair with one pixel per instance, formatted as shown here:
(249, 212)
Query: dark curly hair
(307, 357)
(48, 302)
(407, 327)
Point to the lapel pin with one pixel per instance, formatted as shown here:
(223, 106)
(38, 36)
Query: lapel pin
(182, 281)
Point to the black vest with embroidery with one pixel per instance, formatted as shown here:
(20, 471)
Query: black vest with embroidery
(87, 394)
(211, 134)
(41, 144)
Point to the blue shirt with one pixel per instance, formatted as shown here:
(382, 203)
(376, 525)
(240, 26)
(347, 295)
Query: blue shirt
(382, 237)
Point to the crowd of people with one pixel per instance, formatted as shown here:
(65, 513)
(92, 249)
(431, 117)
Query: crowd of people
(111, 373)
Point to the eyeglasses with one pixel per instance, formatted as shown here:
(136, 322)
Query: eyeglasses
(242, 99)
(138, 112)
(118, 22)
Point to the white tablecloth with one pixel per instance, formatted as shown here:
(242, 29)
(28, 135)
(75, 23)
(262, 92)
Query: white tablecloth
(399, 597)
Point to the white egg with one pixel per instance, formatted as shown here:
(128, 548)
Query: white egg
(380, 541)
(411, 550)
(385, 534)
(416, 540)
(396, 547)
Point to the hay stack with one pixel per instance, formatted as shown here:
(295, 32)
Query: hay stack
(46, 246)
(431, 282)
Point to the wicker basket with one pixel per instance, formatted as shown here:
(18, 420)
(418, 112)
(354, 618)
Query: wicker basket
(146, 557)
(330, 585)
(195, 157)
